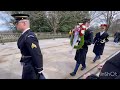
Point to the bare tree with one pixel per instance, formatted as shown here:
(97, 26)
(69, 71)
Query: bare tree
(57, 18)
(54, 19)
(105, 16)
(5, 17)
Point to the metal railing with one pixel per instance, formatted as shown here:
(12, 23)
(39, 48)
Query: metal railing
(13, 37)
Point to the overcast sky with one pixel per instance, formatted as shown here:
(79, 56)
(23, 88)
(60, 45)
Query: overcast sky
(3, 16)
(99, 20)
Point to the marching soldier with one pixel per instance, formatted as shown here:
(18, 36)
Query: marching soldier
(32, 59)
(116, 37)
(80, 56)
(100, 39)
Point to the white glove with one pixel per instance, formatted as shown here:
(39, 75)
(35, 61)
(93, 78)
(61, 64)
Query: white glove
(103, 41)
(40, 72)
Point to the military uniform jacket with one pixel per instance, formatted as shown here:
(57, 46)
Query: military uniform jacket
(88, 38)
(99, 45)
(30, 50)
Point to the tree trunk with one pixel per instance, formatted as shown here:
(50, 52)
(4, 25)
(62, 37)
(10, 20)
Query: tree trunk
(109, 18)
(55, 29)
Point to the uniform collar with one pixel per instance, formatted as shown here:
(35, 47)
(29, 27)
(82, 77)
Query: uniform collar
(25, 30)
(102, 32)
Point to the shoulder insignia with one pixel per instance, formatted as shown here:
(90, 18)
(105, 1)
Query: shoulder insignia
(31, 36)
(33, 46)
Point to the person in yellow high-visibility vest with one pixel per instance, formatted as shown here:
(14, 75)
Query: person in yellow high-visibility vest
(70, 33)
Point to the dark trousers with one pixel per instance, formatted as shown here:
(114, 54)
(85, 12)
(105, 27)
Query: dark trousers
(97, 55)
(116, 40)
(83, 64)
(80, 56)
(76, 67)
(29, 72)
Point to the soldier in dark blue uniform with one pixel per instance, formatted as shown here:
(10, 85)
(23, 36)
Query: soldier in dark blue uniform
(116, 37)
(80, 56)
(32, 59)
(100, 39)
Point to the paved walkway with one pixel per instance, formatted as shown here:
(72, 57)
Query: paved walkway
(58, 62)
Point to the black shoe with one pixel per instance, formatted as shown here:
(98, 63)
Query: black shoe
(95, 59)
(72, 74)
(99, 57)
(83, 68)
